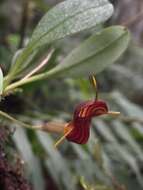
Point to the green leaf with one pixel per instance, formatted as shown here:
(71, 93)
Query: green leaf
(1, 81)
(92, 57)
(70, 17)
(96, 53)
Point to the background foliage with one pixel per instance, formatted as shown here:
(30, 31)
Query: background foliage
(113, 157)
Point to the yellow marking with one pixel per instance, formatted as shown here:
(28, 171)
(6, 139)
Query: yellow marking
(80, 113)
(84, 112)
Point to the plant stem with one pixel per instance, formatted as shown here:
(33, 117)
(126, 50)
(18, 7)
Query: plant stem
(51, 127)
(25, 125)
(38, 77)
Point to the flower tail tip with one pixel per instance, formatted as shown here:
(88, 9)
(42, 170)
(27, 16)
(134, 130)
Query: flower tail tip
(62, 138)
(113, 113)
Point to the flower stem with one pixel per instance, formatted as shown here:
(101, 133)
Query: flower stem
(51, 127)
(25, 125)
(94, 84)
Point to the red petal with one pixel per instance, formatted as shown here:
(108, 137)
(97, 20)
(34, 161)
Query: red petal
(82, 119)
(90, 109)
(80, 132)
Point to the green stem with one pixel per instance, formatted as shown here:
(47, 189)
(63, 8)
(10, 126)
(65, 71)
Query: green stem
(38, 77)
(25, 125)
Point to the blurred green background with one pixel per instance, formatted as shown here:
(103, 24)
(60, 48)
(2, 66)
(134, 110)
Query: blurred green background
(113, 157)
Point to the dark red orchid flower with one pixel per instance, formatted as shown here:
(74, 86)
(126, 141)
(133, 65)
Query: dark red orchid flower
(79, 127)
(78, 130)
